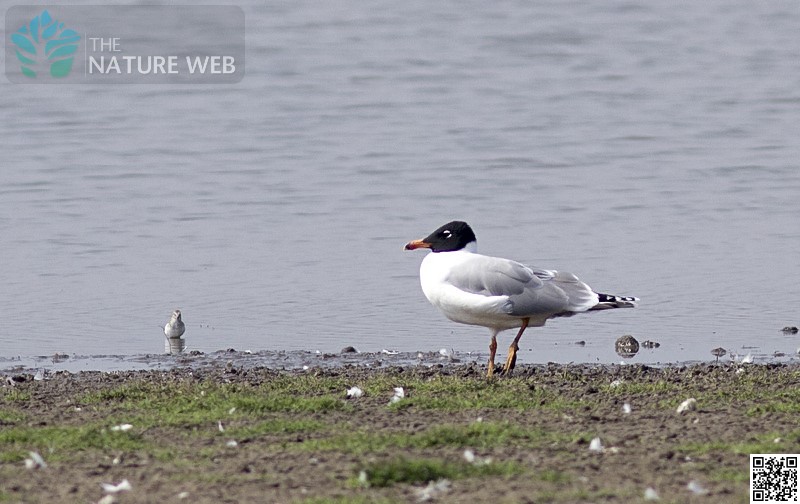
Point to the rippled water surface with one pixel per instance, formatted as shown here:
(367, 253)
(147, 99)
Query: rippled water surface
(651, 149)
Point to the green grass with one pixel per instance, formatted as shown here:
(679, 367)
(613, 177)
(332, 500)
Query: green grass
(59, 442)
(196, 404)
(351, 499)
(412, 471)
(764, 443)
(275, 426)
(480, 435)
(11, 417)
(418, 439)
(15, 395)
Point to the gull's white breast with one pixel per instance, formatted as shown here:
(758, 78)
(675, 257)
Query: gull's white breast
(459, 305)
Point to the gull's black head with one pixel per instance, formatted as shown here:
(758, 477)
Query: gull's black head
(452, 236)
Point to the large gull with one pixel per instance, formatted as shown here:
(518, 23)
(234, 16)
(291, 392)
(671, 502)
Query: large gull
(498, 293)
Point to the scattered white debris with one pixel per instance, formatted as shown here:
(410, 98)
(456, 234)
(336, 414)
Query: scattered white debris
(626, 409)
(399, 393)
(232, 410)
(616, 383)
(447, 352)
(696, 488)
(596, 445)
(108, 499)
(389, 352)
(305, 368)
(122, 486)
(183, 495)
(739, 370)
(687, 405)
(78, 408)
(232, 443)
(122, 427)
(248, 352)
(479, 419)
(650, 494)
(220, 426)
(363, 479)
(777, 440)
(117, 460)
(39, 376)
(433, 489)
(354, 393)
(35, 461)
(471, 458)
(747, 359)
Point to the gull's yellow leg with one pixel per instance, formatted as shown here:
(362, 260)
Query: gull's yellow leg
(492, 352)
(511, 360)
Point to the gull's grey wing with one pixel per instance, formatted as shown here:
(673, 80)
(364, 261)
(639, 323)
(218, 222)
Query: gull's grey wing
(530, 291)
(493, 276)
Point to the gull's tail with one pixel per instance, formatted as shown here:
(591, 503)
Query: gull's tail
(609, 301)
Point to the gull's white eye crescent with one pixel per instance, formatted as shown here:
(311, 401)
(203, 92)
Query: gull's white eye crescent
(447, 233)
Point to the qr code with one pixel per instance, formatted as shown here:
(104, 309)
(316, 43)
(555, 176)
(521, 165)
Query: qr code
(773, 478)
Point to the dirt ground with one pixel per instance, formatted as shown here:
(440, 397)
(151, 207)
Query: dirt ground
(701, 455)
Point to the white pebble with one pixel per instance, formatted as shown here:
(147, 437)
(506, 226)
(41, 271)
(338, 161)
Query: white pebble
(596, 445)
(399, 393)
(354, 392)
(122, 427)
(696, 488)
(626, 409)
(122, 486)
(433, 489)
(687, 405)
(232, 444)
(35, 461)
(650, 494)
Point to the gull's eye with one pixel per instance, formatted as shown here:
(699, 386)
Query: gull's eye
(446, 233)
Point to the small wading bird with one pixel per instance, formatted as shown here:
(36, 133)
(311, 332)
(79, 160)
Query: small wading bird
(175, 327)
(498, 293)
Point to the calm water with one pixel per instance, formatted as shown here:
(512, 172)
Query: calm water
(651, 149)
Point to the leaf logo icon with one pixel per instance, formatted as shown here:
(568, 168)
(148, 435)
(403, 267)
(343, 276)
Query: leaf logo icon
(45, 45)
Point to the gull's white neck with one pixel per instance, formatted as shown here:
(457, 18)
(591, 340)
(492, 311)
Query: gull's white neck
(436, 267)
(470, 247)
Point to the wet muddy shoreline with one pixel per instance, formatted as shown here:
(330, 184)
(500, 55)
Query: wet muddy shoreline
(233, 433)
